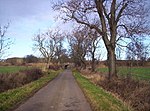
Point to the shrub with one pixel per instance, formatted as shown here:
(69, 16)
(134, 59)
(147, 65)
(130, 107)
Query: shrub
(134, 92)
(54, 67)
(10, 81)
(32, 74)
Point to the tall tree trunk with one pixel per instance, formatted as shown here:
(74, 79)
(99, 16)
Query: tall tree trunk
(111, 63)
(93, 63)
(83, 64)
(48, 60)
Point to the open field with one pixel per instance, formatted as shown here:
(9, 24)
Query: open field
(11, 69)
(136, 72)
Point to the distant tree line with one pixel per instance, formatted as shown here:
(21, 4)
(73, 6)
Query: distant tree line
(31, 59)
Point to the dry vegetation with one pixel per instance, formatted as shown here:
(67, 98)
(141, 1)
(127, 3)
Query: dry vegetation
(133, 92)
(43, 66)
(13, 80)
(16, 76)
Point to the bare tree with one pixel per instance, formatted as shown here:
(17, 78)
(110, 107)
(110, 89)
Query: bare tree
(82, 42)
(59, 50)
(48, 44)
(79, 43)
(112, 19)
(94, 39)
(64, 56)
(136, 50)
(5, 42)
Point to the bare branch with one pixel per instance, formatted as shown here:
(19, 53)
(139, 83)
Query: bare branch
(5, 42)
(48, 44)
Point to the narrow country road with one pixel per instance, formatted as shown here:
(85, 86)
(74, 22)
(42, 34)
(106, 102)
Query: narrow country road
(61, 94)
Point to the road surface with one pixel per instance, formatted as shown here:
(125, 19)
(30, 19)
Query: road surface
(61, 94)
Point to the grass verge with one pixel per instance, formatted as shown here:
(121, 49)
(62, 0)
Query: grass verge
(13, 97)
(11, 69)
(99, 99)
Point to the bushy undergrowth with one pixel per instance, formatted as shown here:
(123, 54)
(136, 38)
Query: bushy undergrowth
(13, 80)
(54, 67)
(135, 93)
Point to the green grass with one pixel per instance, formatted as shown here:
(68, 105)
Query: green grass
(12, 97)
(99, 99)
(11, 69)
(136, 72)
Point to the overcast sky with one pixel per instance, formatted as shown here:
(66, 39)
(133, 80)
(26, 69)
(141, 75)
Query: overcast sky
(26, 18)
